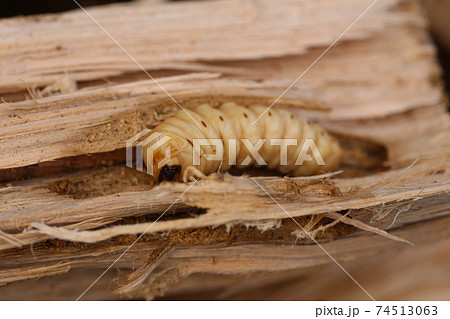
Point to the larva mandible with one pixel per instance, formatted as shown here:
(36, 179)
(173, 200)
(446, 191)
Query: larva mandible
(232, 122)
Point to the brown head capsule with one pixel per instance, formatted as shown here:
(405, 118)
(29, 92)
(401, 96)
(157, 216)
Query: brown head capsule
(169, 173)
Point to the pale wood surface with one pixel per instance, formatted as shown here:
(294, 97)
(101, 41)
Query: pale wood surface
(385, 72)
(379, 84)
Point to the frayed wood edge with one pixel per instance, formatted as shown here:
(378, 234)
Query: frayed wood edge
(34, 272)
(359, 224)
(158, 282)
(308, 232)
(90, 236)
(105, 234)
(136, 278)
(299, 178)
(10, 239)
(367, 192)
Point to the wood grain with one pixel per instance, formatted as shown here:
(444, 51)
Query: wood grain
(378, 86)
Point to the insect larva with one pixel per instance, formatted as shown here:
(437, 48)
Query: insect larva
(232, 122)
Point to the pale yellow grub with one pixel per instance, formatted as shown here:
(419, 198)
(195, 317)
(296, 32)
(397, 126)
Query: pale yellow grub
(230, 124)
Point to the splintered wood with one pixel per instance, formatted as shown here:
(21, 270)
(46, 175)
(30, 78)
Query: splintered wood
(71, 98)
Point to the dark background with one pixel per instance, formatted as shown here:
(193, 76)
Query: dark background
(11, 8)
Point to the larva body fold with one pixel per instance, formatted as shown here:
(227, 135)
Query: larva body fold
(229, 126)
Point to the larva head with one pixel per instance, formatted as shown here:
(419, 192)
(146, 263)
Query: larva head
(164, 159)
(169, 173)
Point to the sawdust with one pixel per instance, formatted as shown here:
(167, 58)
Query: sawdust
(281, 232)
(102, 182)
(238, 234)
(120, 128)
(291, 189)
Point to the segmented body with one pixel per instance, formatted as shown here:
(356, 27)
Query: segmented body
(231, 122)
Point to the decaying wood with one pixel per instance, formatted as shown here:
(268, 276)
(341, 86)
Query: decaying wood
(80, 207)
(307, 283)
(101, 117)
